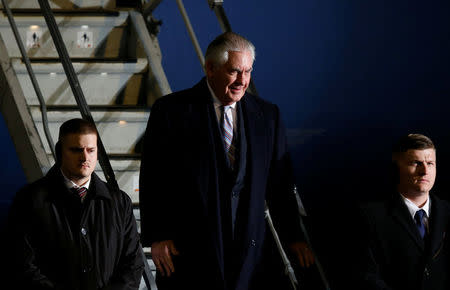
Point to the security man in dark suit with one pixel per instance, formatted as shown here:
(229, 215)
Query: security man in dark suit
(404, 243)
(70, 230)
(212, 155)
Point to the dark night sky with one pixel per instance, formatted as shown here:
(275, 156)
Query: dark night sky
(349, 76)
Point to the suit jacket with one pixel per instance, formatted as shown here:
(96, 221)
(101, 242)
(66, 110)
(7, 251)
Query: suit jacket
(55, 242)
(394, 256)
(184, 184)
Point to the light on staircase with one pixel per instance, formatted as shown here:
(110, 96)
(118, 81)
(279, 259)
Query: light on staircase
(104, 74)
(122, 122)
(52, 74)
(85, 27)
(34, 27)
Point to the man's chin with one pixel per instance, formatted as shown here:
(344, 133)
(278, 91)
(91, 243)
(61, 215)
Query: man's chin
(83, 174)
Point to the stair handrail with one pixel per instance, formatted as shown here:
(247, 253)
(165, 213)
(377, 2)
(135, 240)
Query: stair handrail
(191, 33)
(32, 76)
(85, 113)
(76, 88)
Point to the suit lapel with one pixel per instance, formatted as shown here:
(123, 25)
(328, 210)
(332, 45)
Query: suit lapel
(437, 224)
(402, 216)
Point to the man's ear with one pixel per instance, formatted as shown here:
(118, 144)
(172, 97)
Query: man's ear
(209, 67)
(58, 152)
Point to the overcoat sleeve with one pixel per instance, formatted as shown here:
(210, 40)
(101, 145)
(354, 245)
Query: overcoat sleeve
(366, 266)
(156, 184)
(280, 196)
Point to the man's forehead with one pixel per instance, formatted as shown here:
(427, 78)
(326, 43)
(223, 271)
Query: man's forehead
(426, 154)
(78, 138)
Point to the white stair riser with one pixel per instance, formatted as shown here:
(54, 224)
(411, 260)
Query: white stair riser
(128, 182)
(118, 137)
(72, 4)
(98, 89)
(108, 37)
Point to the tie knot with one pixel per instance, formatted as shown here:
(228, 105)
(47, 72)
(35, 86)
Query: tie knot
(419, 215)
(80, 191)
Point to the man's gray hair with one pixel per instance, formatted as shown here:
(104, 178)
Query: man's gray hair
(217, 51)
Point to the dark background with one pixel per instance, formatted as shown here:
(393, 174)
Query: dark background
(350, 77)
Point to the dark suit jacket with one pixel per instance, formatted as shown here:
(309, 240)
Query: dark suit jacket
(54, 242)
(394, 256)
(182, 188)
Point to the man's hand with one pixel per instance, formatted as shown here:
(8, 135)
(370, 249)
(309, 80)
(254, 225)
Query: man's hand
(303, 252)
(162, 256)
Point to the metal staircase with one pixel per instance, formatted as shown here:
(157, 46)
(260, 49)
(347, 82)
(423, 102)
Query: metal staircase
(118, 66)
(112, 68)
(115, 62)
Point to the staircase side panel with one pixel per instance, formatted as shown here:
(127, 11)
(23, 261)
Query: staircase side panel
(20, 124)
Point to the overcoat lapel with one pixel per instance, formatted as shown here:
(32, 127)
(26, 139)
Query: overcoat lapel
(202, 112)
(256, 136)
(401, 215)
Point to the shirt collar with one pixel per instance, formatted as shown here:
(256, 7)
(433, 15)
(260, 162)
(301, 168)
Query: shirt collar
(70, 184)
(413, 208)
(217, 102)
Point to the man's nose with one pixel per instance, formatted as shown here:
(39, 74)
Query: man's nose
(84, 155)
(424, 169)
(240, 78)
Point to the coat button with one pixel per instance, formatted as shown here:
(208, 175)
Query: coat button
(234, 194)
(83, 231)
(426, 272)
(253, 243)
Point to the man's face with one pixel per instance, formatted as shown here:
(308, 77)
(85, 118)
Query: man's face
(78, 156)
(230, 80)
(417, 171)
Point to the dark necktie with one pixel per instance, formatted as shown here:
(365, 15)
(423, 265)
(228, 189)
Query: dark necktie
(419, 218)
(80, 191)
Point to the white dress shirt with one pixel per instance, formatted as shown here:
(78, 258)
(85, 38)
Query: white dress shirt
(231, 114)
(413, 208)
(70, 184)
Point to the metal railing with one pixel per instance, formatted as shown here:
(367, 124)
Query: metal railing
(36, 87)
(79, 97)
(217, 7)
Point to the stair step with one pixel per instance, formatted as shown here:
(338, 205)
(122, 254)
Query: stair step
(106, 36)
(121, 131)
(67, 4)
(102, 83)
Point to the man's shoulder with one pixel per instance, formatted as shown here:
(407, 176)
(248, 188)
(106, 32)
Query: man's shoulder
(375, 206)
(441, 203)
(105, 189)
(259, 101)
(186, 96)
(379, 209)
(39, 188)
